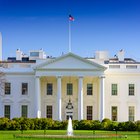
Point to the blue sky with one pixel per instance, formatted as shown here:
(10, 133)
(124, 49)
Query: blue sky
(99, 25)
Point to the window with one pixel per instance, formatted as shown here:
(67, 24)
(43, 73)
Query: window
(131, 66)
(114, 113)
(114, 66)
(49, 111)
(114, 90)
(24, 111)
(89, 112)
(131, 89)
(7, 111)
(131, 112)
(89, 89)
(34, 54)
(7, 88)
(24, 88)
(69, 89)
(49, 88)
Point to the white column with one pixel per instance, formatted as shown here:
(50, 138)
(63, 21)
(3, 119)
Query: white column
(102, 99)
(37, 98)
(59, 98)
(80, 99)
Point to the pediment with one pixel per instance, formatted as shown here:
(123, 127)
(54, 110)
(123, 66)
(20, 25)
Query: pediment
(24, 101)
(7, 101)
(70, 61)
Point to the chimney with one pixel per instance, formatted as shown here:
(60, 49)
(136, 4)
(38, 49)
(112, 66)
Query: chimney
(121, 55)
(0, 46)
(18, 55)
(102, 55)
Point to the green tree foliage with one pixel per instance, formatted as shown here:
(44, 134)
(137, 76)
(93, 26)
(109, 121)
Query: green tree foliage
(137, 123)
(105, 124)
(4, 124)
(49, 124)
(24, 124)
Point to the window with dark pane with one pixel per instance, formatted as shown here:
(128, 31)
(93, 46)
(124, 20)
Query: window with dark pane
(131, 113)
(49, 111)
(131, 89)
(7, 111)
(7, 88)
(24, 88)
(69, 88)
(24, 111)
(114, 89)
(89, 112)
(114, 113)
(49, 88)
(89, 89)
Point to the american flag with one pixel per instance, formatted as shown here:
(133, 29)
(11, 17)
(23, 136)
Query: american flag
(71, 18)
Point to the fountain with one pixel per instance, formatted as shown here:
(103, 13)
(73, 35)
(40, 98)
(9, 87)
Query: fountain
(69, 129)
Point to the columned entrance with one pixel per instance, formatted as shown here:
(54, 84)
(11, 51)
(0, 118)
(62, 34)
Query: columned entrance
(74, 105)
(85, 90)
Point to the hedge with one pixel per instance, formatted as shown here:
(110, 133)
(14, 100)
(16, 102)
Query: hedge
(44, 124)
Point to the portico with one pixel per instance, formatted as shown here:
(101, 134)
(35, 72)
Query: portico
(69, 83)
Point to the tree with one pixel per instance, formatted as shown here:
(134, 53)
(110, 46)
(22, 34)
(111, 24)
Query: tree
(2, 77)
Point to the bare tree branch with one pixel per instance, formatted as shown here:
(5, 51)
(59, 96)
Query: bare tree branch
(2, 78)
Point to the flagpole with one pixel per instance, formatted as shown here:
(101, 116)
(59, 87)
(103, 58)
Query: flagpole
(69, 36)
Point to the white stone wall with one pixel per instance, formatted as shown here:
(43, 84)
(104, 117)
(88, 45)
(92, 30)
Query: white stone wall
(16, 99)
(122, 100)
(91, 100)
(48, 99)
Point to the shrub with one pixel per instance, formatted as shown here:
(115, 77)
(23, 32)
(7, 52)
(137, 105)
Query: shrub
(44, 123)
(105, 124)
(64, 125)
(130, 126)
(75, 124)
(96, 125)
(113, 126)
(13, 125)
(57, 125)
(32, 125)
(24, 124)
(137, 125)
(84, 125)
(4, 123)
(121, 126)
(127, 126)
(37, 124)
(17, 123)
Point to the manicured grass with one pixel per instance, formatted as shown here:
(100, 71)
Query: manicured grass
(9, 135)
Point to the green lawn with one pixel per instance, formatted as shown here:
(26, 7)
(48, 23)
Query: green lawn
(9, 135)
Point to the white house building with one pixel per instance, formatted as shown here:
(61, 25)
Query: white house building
(69, 85)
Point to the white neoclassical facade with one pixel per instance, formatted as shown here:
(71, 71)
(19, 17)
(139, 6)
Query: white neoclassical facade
(69, 85)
